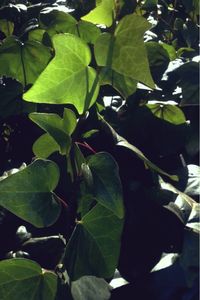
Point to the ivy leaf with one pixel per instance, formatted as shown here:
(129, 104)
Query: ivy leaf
(167, 111)
(126, 86)
(120, 53)
(22, 277)
(6, 27)
(56, 20)
(95, 244)
(102, 14)
(45, 145)
(29, 193)
(23, 61)
(107, 187)
(68, 69)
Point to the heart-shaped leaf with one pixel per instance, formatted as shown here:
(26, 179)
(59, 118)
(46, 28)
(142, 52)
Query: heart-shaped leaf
(102, 14)
(67, 78)
(167, 111)
(23, 61)
(22, 278)
(95, 244)
(29, 193)
(45, 145)
(125, 52)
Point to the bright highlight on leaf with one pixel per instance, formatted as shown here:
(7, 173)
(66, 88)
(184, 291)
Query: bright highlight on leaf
(29, 193)
(168, 112)
(102, 14)
(23, 61)
(125, 52)
(67, 78)
(22, 278)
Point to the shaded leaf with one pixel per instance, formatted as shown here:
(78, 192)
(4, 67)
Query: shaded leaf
(81, 81)
(22, 277)
(107, 188)
(56, 20)
(29, 193)
(94, 246)
(54, 125)
(90, 288)
(119, 52)
(6, 27)
(102, 14)
(23, 61)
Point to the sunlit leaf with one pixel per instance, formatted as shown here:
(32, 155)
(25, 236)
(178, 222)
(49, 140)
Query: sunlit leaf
(120, 53)
(102, 14)
(67, 78)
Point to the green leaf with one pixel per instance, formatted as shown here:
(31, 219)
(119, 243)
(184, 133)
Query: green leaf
(119, 52)
(6, 27)
(67, 78)
(102, 14)
(95, 244)
(29, 193)
(90, 287)
(107, 189)
(45, 145)
(56, 20)
(54, 125)
(22, 277)
(126, 86)
(23, 61)
(168, 112)
(36, 35)
(170, 50)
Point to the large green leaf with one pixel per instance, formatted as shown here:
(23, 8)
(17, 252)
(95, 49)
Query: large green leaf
(23, 278)
(168, 112)
(125, 52)
(67, 78)
(95, 244)
(23, 61)
(102, 14)
(58, 129)
(107, 189)
(29, 193)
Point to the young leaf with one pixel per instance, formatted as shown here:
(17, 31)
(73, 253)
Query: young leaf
(22, 277)
(67, 78)
(94, 246)
(29, 193)
(23, 61)
(102, 14)
(54, 125)
(106, 182)
(45, 145)
(114, 51)
(168, 112)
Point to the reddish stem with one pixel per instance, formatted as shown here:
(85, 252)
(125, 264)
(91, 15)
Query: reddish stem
(85, 145)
